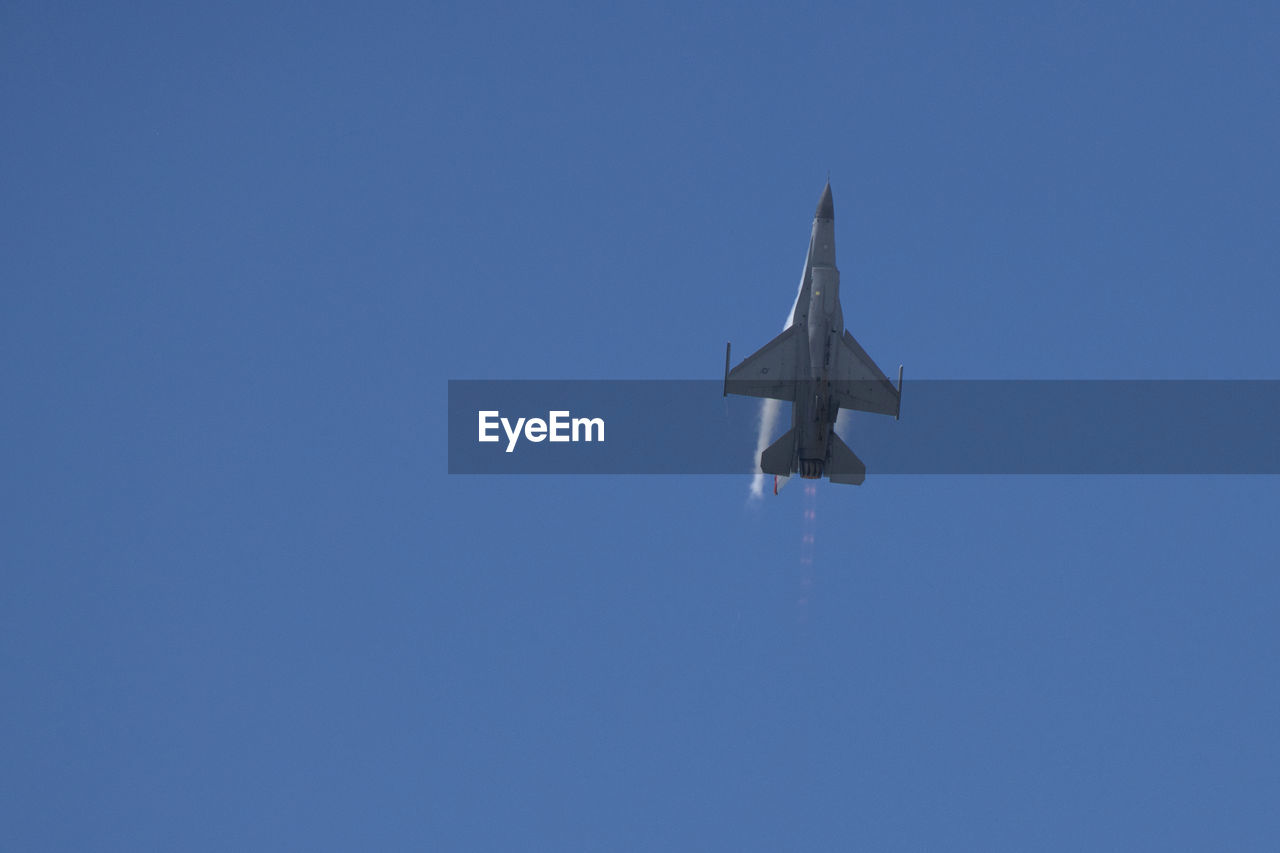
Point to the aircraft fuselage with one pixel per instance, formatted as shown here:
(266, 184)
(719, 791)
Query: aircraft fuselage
(818, 312)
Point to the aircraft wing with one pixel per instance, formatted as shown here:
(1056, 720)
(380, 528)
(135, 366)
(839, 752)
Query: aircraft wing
(771, 371)
(858, 384)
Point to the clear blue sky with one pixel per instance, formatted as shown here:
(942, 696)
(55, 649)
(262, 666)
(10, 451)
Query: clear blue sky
(243, 607)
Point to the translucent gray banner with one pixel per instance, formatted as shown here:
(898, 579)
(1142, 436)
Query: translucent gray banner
(947, 427)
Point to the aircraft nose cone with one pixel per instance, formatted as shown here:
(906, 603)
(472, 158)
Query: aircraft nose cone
(826, 210)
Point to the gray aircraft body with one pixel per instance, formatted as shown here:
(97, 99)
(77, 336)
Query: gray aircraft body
(817, 366)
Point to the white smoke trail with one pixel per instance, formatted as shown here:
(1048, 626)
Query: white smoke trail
(770, 409)
(844, 423)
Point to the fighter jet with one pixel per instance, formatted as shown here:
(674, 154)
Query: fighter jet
(817, 366)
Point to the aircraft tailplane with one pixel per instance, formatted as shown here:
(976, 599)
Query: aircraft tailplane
(778, 456)
(845, 467)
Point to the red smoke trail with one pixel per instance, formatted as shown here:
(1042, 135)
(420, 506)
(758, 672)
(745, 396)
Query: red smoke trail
(808, 532)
